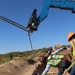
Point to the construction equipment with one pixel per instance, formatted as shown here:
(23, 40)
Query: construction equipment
(35, 20)
(61, 4)
(30, 26)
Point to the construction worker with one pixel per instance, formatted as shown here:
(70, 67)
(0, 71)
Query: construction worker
(48, 65)
(71, 40)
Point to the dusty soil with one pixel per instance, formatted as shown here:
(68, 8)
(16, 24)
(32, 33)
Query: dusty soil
(13, 68)
(17, 67)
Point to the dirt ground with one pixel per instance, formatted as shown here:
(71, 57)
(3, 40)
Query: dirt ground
(18, 67)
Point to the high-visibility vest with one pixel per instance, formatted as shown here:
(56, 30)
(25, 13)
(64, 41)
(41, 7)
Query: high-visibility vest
(72, 42)
(54, 59)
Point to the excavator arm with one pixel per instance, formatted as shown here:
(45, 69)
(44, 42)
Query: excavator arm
(61, 4)
(35, 20)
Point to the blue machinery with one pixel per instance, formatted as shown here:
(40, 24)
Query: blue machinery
(61, 4)
(34, 21)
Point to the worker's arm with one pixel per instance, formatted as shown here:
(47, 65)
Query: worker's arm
(57, 51)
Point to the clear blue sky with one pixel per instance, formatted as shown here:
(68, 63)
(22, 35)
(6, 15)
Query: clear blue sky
(53, 30)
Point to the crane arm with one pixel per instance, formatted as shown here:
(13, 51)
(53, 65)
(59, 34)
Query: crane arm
(62, 4)
(35, 21)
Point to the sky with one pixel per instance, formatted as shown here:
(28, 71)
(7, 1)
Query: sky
(52, 31)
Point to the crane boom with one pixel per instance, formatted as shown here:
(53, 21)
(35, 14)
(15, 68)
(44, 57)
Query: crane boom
(35, 20)
(62, 4)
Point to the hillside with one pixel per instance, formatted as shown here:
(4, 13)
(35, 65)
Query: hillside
(24, 63)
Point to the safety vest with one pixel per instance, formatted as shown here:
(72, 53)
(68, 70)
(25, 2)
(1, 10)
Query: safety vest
(72, 42)
(54, 59)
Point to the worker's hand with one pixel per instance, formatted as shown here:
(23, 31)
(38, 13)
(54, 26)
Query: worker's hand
(65, 72)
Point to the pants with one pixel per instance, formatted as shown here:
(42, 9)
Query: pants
(46, 69)
(72, 70)
(63, 65)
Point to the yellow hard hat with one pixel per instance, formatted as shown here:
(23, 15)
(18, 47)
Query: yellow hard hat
(70, 35)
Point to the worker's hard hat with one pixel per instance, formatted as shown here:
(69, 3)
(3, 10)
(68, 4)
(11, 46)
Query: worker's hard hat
(70, 35)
